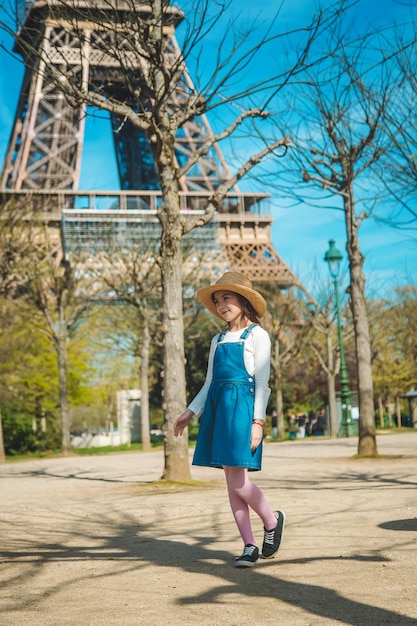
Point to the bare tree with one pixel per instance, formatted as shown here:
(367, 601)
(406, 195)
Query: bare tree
(328, 356)
(330, 366)
(399, 172)
(337, 152)
(325, 350)
(127, 276)
(289, 324)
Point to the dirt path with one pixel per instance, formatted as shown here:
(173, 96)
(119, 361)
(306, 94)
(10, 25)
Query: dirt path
(89, 541)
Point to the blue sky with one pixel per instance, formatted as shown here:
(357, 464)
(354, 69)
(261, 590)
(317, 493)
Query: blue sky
(300, 234)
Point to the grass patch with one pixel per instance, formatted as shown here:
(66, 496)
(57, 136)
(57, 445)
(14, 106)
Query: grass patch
(38, 454)
(51, 454)
(134, 447)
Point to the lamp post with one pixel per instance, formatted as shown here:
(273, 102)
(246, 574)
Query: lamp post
(333, 258)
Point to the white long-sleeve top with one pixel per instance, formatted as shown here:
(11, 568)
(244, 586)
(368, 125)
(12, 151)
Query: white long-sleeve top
(257, 358)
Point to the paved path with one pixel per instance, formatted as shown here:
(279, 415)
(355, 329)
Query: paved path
(90, 541)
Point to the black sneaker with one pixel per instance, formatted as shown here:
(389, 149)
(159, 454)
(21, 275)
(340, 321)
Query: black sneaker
(248, 557)
(272, 538)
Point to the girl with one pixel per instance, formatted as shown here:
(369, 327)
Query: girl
(233, 403)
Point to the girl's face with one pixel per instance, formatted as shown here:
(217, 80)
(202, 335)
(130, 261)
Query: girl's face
(229, 307)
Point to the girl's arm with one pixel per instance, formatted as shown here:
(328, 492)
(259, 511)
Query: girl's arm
(196, 407)
(182, 422)
(262, 364)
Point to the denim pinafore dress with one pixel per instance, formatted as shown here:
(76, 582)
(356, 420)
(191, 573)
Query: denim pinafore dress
(226, 424)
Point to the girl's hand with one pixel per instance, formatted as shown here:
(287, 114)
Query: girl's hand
(182, 422)
(256, 437)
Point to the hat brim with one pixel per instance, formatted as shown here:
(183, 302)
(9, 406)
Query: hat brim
(205, 296)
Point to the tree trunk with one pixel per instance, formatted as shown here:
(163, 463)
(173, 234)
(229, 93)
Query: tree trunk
(63, 389)
(331, 392)
(2, 450)
(162, 140)
(390, 411)
(381, 412)
(144, 397)
(367, 437)
(398, 411)
(331, 387)
(280, 413)
(413, 409)
(177, 465)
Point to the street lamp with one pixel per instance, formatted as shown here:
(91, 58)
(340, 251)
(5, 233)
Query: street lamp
(333, 258)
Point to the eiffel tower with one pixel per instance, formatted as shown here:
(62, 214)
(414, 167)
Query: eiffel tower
(44, 154)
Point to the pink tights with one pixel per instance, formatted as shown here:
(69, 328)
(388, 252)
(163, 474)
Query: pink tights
(242, 495)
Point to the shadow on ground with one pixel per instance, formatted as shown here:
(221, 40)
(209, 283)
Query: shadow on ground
(133, 548)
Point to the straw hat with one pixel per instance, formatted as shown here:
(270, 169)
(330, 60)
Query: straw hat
(237, 283)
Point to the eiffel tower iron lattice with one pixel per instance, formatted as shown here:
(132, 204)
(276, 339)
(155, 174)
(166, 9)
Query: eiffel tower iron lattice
(47, 139)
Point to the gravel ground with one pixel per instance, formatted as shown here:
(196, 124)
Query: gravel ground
(92, 541)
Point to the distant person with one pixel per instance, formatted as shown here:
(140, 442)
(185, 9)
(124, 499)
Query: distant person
(292, 426)
(301, 422)
(313, 423)
(233, 403)
(274, 422)
(321, 423)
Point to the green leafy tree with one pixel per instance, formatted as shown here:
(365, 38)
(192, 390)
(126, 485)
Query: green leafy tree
(39, 276)
(28, 382)
(394, 344)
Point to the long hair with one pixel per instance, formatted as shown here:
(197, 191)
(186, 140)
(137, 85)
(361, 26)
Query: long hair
(248, 310)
